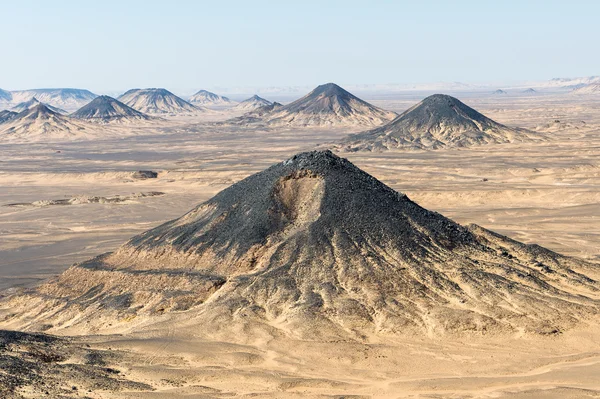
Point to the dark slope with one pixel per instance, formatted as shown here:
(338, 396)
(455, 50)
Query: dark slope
(107, 109)
(324, 250)
(436, 122)
(7, 115)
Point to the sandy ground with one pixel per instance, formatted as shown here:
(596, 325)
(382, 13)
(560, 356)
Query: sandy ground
(180, 365)
(544, 193)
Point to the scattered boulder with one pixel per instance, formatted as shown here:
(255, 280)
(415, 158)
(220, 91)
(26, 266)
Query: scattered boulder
(145, 174)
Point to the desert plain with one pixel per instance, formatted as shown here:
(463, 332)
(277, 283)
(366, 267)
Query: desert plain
(546, 193)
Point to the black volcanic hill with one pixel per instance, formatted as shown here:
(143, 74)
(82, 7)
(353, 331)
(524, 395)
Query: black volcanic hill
(158, 101)
(6, 115)
(436, 122)
(206, 98)
(38, 112)
(107, 109)
(252, 103)
(321, 249)
(329, 105)
(40, 122)
(33, 103)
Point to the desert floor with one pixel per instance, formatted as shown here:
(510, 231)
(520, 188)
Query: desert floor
(546, 193)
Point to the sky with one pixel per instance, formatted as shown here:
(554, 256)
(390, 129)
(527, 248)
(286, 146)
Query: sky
(112, 45)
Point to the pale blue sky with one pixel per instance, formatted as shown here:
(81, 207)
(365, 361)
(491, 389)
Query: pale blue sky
(112, 45)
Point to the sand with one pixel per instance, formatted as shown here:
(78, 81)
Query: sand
(545, 193)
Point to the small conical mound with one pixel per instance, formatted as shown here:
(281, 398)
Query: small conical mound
(321, 249)
(436, 122)
(252, 104)
(328, 105)
(158, 101)
(106, 109)
(206, 98)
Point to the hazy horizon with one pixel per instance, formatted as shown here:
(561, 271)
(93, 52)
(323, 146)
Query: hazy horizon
(193, 45)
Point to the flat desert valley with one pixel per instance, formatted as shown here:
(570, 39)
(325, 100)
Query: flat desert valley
(66, 201)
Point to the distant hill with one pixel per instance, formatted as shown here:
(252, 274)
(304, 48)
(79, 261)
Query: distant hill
(326, 105)
(33, 103)
(436, 122)
(105, 109)
(329, 105)
(571, 83)
(40, 122)
(500, 91)
(67, 99)
(256, 115)
(530, 91)
(592, 88)
(158, 101)
(206, 98)
(252, 103)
